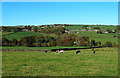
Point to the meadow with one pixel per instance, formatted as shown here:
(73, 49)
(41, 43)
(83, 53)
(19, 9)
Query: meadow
(18, 35)
(91, 34)
(80, 27)
(99, 37)
(22, 47)
(38, 63)
(6, 33)
(25, 63)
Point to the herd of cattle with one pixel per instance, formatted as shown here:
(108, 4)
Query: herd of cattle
(61, 51)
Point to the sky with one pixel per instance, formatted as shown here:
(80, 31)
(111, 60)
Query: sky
(39, 13)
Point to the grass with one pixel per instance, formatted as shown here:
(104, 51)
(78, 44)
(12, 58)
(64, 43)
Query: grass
(103, 63)
(99, 37)
(105, 27)
(101, 27)
(6, 33)
(92, 35)
(38, 47)
(73, 27)
(18, 35)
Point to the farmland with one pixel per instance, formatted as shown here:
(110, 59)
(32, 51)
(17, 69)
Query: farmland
(6, 33)
(91, 34)
(18, 35)
(31, 60)
(38, 47)
(103, 63)
(99, 37)
(80, 27)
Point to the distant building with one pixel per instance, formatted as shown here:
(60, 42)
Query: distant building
(83, 29)
(106, 32)
(25, 30)
(43, 27)
(63, 26)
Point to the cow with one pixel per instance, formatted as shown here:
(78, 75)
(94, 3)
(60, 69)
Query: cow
(61, 51)
(78, 52)
(45, 51)
(57, 51)
(94, 51)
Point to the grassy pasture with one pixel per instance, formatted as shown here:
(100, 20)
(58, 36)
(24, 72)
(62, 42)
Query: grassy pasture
(105, 27)
(103, 63)
(22, 47)
(73, 27)
(101, 27)
(99, 37)
(6, 33)
(18, 35)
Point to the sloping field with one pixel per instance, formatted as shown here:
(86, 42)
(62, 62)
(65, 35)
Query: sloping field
(101, 27)
(18, 35)
(99, 37)
(6, 33)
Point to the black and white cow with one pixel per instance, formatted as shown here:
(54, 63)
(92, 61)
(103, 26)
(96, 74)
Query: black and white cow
(45, 51)
(94, 51)
(78, 52)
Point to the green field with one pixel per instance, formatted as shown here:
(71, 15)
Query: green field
(91, 34)
(38, 47)
(101, 27)
(6, 33)
(73, 27)
(18, 35)
(103, 63)
(105, 27)
(99, 37)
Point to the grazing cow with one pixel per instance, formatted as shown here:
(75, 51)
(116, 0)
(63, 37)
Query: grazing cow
(94, 51)
(78, 52)
(45, 51)
(61, 51)
(57, 51)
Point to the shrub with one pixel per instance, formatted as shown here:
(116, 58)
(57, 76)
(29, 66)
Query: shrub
(108, 44)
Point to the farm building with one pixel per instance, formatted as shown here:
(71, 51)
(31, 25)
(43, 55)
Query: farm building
(83, 30)
(25, 30)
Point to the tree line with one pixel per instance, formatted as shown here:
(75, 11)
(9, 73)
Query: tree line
(48, 41)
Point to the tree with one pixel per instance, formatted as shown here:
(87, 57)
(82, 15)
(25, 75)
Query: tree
(35, 29)
(114, 44)
(14, 42)
(8, 30)
(27, 41)
(38, 44)
(53, 43)
(93, 43)
(98, 43)
(82, 41)
(29, 27)
(108, 44)
(44, 44)
(5, 41)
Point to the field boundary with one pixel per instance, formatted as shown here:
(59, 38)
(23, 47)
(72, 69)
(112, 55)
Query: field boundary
(9, 34)
(48, 49)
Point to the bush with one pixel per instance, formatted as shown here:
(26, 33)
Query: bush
(93, 43)
(108, 44)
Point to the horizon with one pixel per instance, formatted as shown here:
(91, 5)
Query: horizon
(46, 13)
(63, 24)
